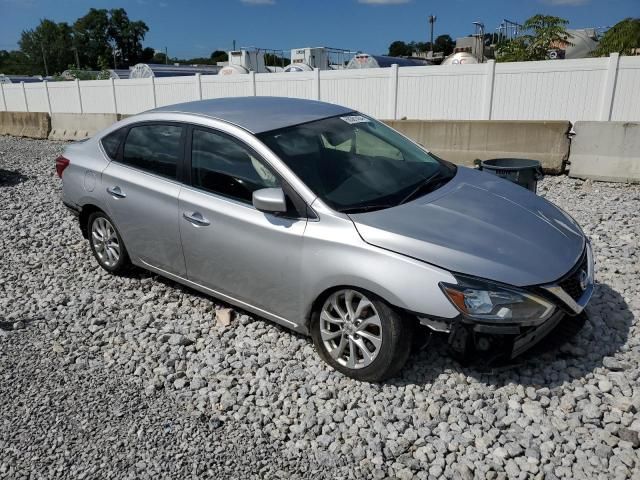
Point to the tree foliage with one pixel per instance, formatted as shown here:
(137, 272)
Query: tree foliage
(219, 56)
(94, 37)
(443, 43)
(91, 38)
(51, 41)
(541, 33)
(623, 37)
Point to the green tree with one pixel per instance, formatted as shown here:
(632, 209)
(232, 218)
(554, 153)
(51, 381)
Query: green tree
(16, 63)
(159, 57)
(51, 41)
(219, 56)
(444, 44)
(541, 33)
(126, 36)
(623, 37)
(91, 38)
(399, 49)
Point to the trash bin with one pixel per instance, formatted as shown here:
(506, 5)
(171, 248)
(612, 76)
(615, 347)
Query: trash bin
(521, 171)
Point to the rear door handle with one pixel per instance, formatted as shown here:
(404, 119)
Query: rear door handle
(116, 192)
(196, 218)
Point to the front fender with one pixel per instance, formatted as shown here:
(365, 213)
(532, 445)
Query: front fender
(335, 256)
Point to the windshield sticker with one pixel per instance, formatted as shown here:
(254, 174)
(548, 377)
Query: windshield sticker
(351, 119)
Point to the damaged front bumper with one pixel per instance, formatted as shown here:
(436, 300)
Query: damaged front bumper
(466, 337)
(570, 294)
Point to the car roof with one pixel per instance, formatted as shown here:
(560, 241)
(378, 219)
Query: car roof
(259, 114)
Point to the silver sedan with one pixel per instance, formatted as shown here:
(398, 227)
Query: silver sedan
(328, 222)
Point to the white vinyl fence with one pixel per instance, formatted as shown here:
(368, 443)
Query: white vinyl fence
(586, 89)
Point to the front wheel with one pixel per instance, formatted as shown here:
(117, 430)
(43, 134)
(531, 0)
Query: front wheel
(360, 335)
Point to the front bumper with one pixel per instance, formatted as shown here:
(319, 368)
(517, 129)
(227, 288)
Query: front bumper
(570, 294)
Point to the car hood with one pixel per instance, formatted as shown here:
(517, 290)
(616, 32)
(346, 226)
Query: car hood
(481, 225)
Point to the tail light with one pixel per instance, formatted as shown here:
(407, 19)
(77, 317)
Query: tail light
(61, 164)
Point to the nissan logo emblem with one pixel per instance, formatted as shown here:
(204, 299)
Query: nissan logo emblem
(584, 278)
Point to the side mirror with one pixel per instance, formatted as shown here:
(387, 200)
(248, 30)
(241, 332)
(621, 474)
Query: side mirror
(269, 200)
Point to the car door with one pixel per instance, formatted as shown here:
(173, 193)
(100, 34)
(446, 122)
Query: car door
(141, 188)
(228, 245)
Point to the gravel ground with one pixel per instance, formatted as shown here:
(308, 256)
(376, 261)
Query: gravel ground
(132, 378)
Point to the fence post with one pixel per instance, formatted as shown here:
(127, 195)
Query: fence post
(153, 91)
(252, 79)
(79, 96)
(393, 92)
(46, 91)
(113, 92)
(199, 85)
(24, 95)
(316, 84)
(487, 99)
(4, 100)
(609, 87)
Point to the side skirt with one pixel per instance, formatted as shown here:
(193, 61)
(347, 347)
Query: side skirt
(233, 301)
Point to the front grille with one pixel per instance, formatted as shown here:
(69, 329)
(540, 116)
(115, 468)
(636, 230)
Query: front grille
(571, 283)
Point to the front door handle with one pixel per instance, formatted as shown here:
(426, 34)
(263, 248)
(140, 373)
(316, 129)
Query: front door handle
(196, 218)
(116, 192)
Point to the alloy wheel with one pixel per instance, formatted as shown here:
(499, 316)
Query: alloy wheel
(105, 241)
(351, 329)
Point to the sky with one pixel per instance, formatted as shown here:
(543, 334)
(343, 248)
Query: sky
(193, 28)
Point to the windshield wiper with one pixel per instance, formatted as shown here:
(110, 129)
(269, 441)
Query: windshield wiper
(365, 208)
(422, 187)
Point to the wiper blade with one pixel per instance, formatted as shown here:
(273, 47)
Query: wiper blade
(365, 208)
(421, 187)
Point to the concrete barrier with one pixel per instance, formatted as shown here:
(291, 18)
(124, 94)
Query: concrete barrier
(463, 141)
(608, 151)
(25, 124)
(75, 126)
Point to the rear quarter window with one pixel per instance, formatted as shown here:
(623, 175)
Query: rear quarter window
(111, 143)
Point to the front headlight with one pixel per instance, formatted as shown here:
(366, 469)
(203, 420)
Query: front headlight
(488, 302)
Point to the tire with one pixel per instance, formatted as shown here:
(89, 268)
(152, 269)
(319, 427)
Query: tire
(106, 244)
(350, 321)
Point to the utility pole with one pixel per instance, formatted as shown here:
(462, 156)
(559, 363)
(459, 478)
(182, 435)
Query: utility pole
(432, 21)
(166, 56)
(234, 45)
(44, 59)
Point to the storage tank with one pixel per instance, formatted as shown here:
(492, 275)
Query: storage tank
(148, 70)
(119, 74)
(459, 58)
(244, 61)
(364, 60)
(298, 67)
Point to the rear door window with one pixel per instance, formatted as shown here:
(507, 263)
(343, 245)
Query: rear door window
(154, 148)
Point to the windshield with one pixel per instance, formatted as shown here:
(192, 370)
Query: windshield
(354, 163)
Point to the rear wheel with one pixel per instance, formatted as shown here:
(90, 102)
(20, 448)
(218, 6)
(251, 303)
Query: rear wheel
(360, 335)
(106, 244)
